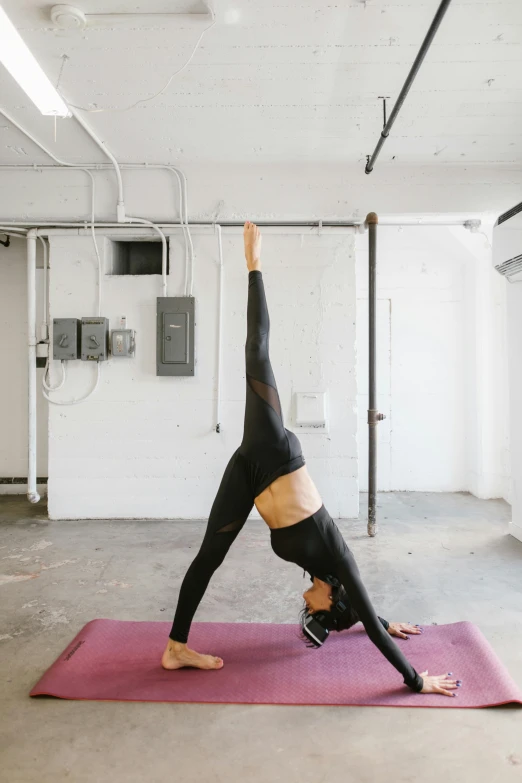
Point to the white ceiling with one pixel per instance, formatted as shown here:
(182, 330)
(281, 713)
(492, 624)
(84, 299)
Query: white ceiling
(279, 80)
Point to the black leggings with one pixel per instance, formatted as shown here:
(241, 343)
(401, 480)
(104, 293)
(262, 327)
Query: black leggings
(267, 451)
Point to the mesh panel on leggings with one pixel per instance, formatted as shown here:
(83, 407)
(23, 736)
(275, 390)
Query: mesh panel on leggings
(267, 393)
(232, 527)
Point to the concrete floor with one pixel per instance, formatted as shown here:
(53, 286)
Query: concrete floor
(438, 558)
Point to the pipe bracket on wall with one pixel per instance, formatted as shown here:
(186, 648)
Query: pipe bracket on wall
(374, 417)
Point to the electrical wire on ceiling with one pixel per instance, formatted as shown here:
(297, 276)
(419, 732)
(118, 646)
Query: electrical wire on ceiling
(159, 92)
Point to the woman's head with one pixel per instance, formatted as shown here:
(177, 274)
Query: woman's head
(322, 597)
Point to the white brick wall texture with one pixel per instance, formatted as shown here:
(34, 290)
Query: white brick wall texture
(146, 446)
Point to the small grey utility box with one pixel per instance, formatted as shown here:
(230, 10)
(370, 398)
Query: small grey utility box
(123, 343)
(175, 336)
(95, 339)
(66, 339)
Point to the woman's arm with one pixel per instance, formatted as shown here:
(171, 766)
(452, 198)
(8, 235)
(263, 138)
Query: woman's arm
(348, 574)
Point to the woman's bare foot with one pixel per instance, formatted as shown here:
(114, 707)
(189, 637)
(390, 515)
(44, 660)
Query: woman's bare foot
(177, 655)
(252, 237)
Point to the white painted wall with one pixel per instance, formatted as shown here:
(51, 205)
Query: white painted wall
(13, 350)
(442, 373)
(146, 447)
(514, 327)
(290, 192)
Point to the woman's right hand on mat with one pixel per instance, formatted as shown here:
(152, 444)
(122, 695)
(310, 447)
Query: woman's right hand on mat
(440, 683)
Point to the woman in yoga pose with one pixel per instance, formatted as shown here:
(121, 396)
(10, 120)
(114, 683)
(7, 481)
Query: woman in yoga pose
(268, 470)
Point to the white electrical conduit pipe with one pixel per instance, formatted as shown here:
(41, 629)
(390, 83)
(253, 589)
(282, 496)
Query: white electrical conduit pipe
(121, 206)
(54, 157)
(46, 386)
(80, 399)
(183, 209)
(182, 190)
(44, 332)
(120, 211)
(93, 186)
(129, 219)
(219, 328)
(32, 493)
(45, 326)
(53, 388)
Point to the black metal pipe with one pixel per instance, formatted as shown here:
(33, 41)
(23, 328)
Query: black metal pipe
(430, 35)
(373, 416)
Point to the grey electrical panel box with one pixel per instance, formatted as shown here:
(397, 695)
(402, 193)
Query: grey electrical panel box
(95, 339)
(175, 336)
(66, 339)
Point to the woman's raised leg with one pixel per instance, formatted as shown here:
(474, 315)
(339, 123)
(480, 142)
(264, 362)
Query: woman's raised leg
(263, 416)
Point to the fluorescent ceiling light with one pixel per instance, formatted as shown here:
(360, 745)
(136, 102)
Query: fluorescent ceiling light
(18, 60)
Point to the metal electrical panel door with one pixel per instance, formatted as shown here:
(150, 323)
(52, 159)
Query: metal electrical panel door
(95, 339)
(66, 338)
(175, 336)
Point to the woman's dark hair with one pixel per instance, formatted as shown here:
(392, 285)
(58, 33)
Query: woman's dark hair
(348, 618)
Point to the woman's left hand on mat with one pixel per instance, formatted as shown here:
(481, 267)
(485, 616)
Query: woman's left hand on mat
(402, 629)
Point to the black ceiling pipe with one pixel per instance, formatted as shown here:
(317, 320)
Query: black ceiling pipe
(443, 7)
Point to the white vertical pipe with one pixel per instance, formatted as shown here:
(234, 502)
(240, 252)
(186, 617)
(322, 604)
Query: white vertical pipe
(32, 494)
(219, 329)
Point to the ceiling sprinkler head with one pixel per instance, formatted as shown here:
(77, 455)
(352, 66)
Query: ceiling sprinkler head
(67, 17)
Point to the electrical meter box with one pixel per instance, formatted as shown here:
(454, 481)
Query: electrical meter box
(175, 336)
(95, 339)
(66, 339)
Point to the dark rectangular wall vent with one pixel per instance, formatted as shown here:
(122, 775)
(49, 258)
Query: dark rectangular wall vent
(510, 213)
(137, 258)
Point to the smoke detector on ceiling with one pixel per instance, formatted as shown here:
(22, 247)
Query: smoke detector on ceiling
(68, 17)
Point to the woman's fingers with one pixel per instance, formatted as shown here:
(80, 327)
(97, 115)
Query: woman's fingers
(446, 686)
(440, 683)
(444, 691)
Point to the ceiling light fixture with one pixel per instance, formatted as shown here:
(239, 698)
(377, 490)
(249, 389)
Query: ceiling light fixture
(69, 17)
(23, 67)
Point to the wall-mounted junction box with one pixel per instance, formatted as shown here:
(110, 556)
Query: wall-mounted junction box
(175, 336)
(123, 343)
(95, 339)
(66, 339)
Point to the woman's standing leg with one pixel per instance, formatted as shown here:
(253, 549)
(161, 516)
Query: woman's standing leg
(229, 513)
(235, 497)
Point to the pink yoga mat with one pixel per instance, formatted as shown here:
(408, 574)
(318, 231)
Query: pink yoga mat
(269, 664)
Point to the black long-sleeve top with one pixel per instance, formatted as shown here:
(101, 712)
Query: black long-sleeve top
(317, 546)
